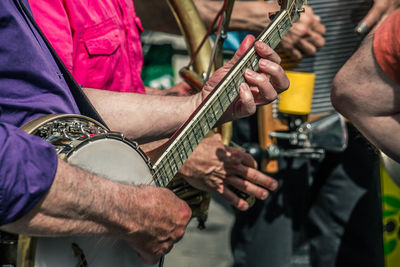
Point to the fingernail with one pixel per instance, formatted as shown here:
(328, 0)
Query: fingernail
(250, 73)
(263, 62)
(259, 45)
(274, 185)
(264, 195)
(243, 206)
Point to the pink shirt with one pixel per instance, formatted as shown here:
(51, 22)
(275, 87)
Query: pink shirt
(98, 41)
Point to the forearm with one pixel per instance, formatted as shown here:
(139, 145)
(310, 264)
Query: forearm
(180, 89)
(77, 203)
(250, 16)
(246, 16)
(382, 131)
(154, 91)
(143, 118)
(173, 91)
(369, 98)
(80, 203)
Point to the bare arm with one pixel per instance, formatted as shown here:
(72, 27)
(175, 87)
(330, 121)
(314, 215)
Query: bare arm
(149, 117)
(180, 89)
(82, 203)
(143, 117)
(249, 16)
(304, 38)
(370, 99)
(252, 16)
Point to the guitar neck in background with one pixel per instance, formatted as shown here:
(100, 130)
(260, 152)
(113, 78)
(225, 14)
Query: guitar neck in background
(186, 139)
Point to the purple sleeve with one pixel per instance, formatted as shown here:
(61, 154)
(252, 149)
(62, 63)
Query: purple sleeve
(27, 168)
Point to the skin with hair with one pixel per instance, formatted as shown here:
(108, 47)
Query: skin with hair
(304, 38)
(80, 203)
(227, 168)
(200, 172)
(370, 99)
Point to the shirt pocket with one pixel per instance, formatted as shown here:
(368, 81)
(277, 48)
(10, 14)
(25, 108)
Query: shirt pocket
(101, 54)
(102, 39)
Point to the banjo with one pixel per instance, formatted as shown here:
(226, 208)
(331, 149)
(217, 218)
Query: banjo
(87, 144)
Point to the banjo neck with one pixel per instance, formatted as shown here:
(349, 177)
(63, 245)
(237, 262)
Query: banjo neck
(186, 139)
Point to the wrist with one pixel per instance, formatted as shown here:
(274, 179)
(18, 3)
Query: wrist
(196, 100)
(252, 16)
(120, 205)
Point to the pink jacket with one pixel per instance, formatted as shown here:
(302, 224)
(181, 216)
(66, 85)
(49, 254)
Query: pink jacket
(98, 41)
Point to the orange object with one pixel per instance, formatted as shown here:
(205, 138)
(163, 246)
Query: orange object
(387, 45)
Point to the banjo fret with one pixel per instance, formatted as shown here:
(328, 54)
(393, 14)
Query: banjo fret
(87, 144)
(212, 108)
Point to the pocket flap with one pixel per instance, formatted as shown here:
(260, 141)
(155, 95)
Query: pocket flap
(105, 44)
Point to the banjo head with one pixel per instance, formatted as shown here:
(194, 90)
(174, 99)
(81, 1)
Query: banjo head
(86, 144)
(113, 157)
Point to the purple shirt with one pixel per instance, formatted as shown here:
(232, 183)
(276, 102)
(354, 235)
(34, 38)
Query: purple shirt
(31, 85)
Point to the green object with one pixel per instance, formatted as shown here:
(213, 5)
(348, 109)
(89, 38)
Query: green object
(392, 202)
(390, 246)
(157, 66)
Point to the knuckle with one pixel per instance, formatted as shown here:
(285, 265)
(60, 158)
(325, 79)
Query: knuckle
(244, 185)
(186, 213)
(251, 109)
(278, 60)
(311, 50)
(276, 68)
(180, 233)
(254, 177)
(302, 28)
(286, 85)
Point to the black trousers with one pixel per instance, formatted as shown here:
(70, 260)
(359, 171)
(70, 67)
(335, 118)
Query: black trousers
(334, 207)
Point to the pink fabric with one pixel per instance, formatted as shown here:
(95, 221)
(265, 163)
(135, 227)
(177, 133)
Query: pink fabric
(98, 41)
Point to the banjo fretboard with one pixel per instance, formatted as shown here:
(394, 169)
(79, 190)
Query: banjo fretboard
(186, 139)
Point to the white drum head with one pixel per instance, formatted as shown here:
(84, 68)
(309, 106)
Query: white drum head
(113, 159)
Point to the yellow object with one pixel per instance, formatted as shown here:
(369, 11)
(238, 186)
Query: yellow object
(391, 219)
(298, 98)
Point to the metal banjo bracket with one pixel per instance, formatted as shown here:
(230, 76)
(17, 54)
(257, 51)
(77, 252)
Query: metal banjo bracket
(66, 133)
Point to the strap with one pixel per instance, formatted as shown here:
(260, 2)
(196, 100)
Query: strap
(85, 107)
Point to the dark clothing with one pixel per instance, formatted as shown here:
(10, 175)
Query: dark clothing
(331, 209)
(334, 208)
